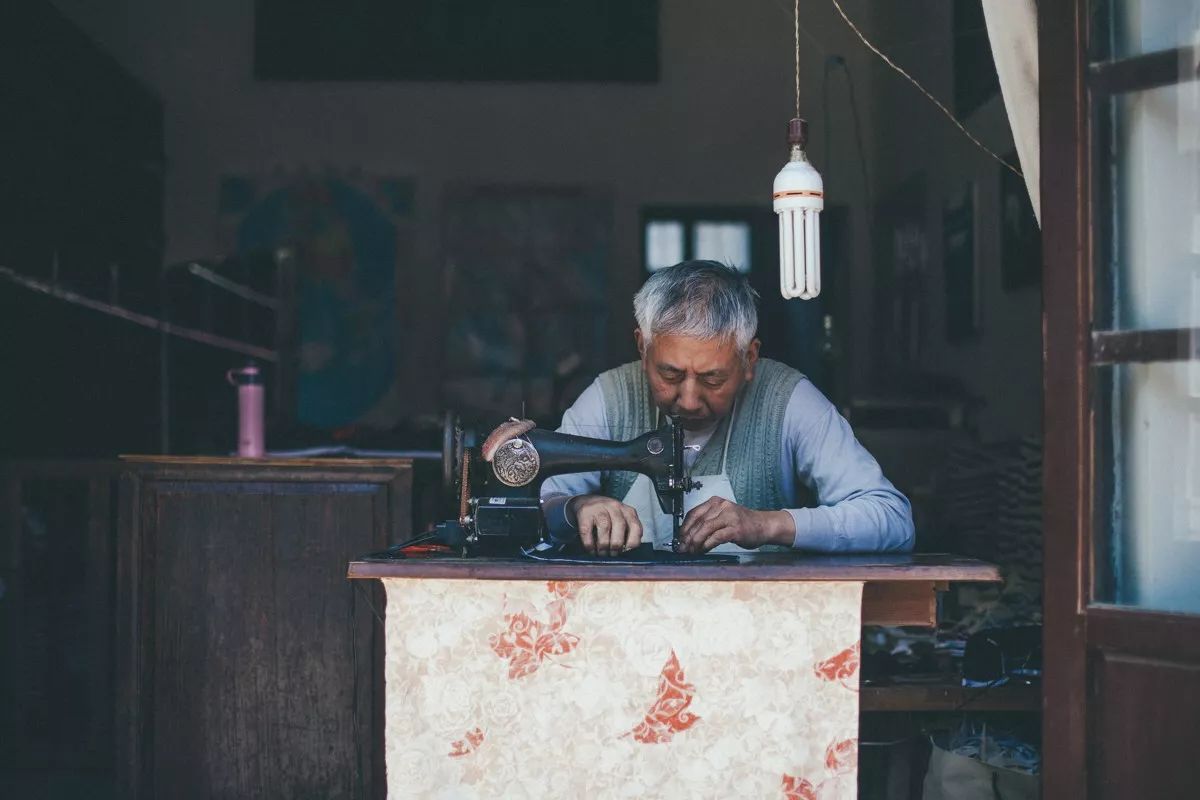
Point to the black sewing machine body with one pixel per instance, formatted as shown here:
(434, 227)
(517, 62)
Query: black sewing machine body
(500, 506)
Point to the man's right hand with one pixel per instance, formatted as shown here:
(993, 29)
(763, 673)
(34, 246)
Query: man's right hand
(607, 527)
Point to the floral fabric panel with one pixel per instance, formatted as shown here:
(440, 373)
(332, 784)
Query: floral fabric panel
(638, 689)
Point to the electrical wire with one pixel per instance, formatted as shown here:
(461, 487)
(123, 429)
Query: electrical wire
(797, 27)
(807, 34)
(367, 598)
(421, 538)
(837, 5)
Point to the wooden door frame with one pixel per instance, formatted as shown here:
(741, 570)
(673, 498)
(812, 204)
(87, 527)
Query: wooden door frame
(1066, 323)
(1077, 629)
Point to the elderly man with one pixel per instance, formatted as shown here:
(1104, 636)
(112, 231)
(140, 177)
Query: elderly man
(759, 437)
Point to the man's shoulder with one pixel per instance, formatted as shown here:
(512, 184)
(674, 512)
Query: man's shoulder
(790, 392)
(771, 366)
(776, 378)
(619, 380)
(624, 371)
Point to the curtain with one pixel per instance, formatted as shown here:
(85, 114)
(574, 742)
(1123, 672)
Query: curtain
(1012, 29)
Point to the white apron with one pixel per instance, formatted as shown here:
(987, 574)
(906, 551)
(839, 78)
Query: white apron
(657, 526)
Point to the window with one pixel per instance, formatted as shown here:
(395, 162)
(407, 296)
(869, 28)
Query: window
(664, 243)
(727, 242)
(1146, 332)
(674, 235)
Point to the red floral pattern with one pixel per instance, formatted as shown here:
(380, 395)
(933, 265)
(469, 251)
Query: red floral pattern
(565, 589)
(842, 756)
(669, 715)
(467, 745)
(528, 642)
(455, 698)
(842, 667)
(798, 788)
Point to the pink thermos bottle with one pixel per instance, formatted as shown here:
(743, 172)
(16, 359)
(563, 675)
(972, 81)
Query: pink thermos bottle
(248, 381)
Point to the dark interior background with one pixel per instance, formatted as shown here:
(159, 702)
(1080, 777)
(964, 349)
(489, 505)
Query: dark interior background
(452, 216)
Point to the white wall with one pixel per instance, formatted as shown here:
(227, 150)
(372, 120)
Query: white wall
(710, 132)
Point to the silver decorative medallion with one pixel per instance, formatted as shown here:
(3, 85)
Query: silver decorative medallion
(516, 462)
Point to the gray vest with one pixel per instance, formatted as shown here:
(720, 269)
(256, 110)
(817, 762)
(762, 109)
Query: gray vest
(753, 462)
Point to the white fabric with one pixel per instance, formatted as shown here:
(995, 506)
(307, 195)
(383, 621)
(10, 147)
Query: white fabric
(621, 689)
(658, 528)
(1012, 30)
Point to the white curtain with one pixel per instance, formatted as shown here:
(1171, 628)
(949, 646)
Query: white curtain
(1012, 29)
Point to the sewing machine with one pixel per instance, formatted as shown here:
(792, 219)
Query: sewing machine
(499, 483)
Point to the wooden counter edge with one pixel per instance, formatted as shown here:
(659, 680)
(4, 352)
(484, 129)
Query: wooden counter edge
(927, 568)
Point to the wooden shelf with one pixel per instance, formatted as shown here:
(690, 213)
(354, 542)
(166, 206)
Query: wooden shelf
(950, 696)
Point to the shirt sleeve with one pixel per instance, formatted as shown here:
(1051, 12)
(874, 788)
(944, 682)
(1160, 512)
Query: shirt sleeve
(585, 418)
(860, 510)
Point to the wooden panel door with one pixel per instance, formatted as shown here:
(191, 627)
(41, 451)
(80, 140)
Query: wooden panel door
(251, 666)
(1120, 133)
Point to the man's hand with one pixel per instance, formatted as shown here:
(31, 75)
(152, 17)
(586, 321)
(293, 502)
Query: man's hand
(607, 527)
(717, 521)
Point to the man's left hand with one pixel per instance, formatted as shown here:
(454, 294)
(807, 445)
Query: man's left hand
(717, 521)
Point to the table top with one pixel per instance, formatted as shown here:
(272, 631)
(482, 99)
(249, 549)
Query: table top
(882, 567)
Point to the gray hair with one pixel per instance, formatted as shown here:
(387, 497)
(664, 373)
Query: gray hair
(699, 299)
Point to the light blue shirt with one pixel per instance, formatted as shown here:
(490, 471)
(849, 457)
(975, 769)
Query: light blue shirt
(860, 510)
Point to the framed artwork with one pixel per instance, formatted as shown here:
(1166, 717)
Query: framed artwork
(349, 234)
(901, 299)
(526, 272)
(963, 296)
(1020, 236)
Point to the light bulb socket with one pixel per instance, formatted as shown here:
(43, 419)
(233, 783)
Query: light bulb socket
(798, 132)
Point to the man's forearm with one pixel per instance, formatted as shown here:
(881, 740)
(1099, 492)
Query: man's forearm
(779, 527)
(865, 524)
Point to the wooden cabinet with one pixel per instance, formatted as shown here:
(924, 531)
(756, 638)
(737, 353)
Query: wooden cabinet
(247, 665)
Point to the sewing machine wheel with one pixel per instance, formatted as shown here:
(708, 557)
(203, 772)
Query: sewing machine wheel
(452, 458)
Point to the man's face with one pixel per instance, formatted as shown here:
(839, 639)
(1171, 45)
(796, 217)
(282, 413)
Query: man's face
(695, 380)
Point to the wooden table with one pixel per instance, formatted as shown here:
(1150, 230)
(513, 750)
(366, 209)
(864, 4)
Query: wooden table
(716, 679)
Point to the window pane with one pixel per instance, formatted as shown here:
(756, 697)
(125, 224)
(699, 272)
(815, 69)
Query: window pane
(726, 242)
(1146, 219)
(664, 244)
(1138, 27)
(1148, 212)
(1148, 498)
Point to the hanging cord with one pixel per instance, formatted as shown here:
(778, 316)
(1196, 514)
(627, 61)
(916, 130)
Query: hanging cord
(796, 18)
(837, 5)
